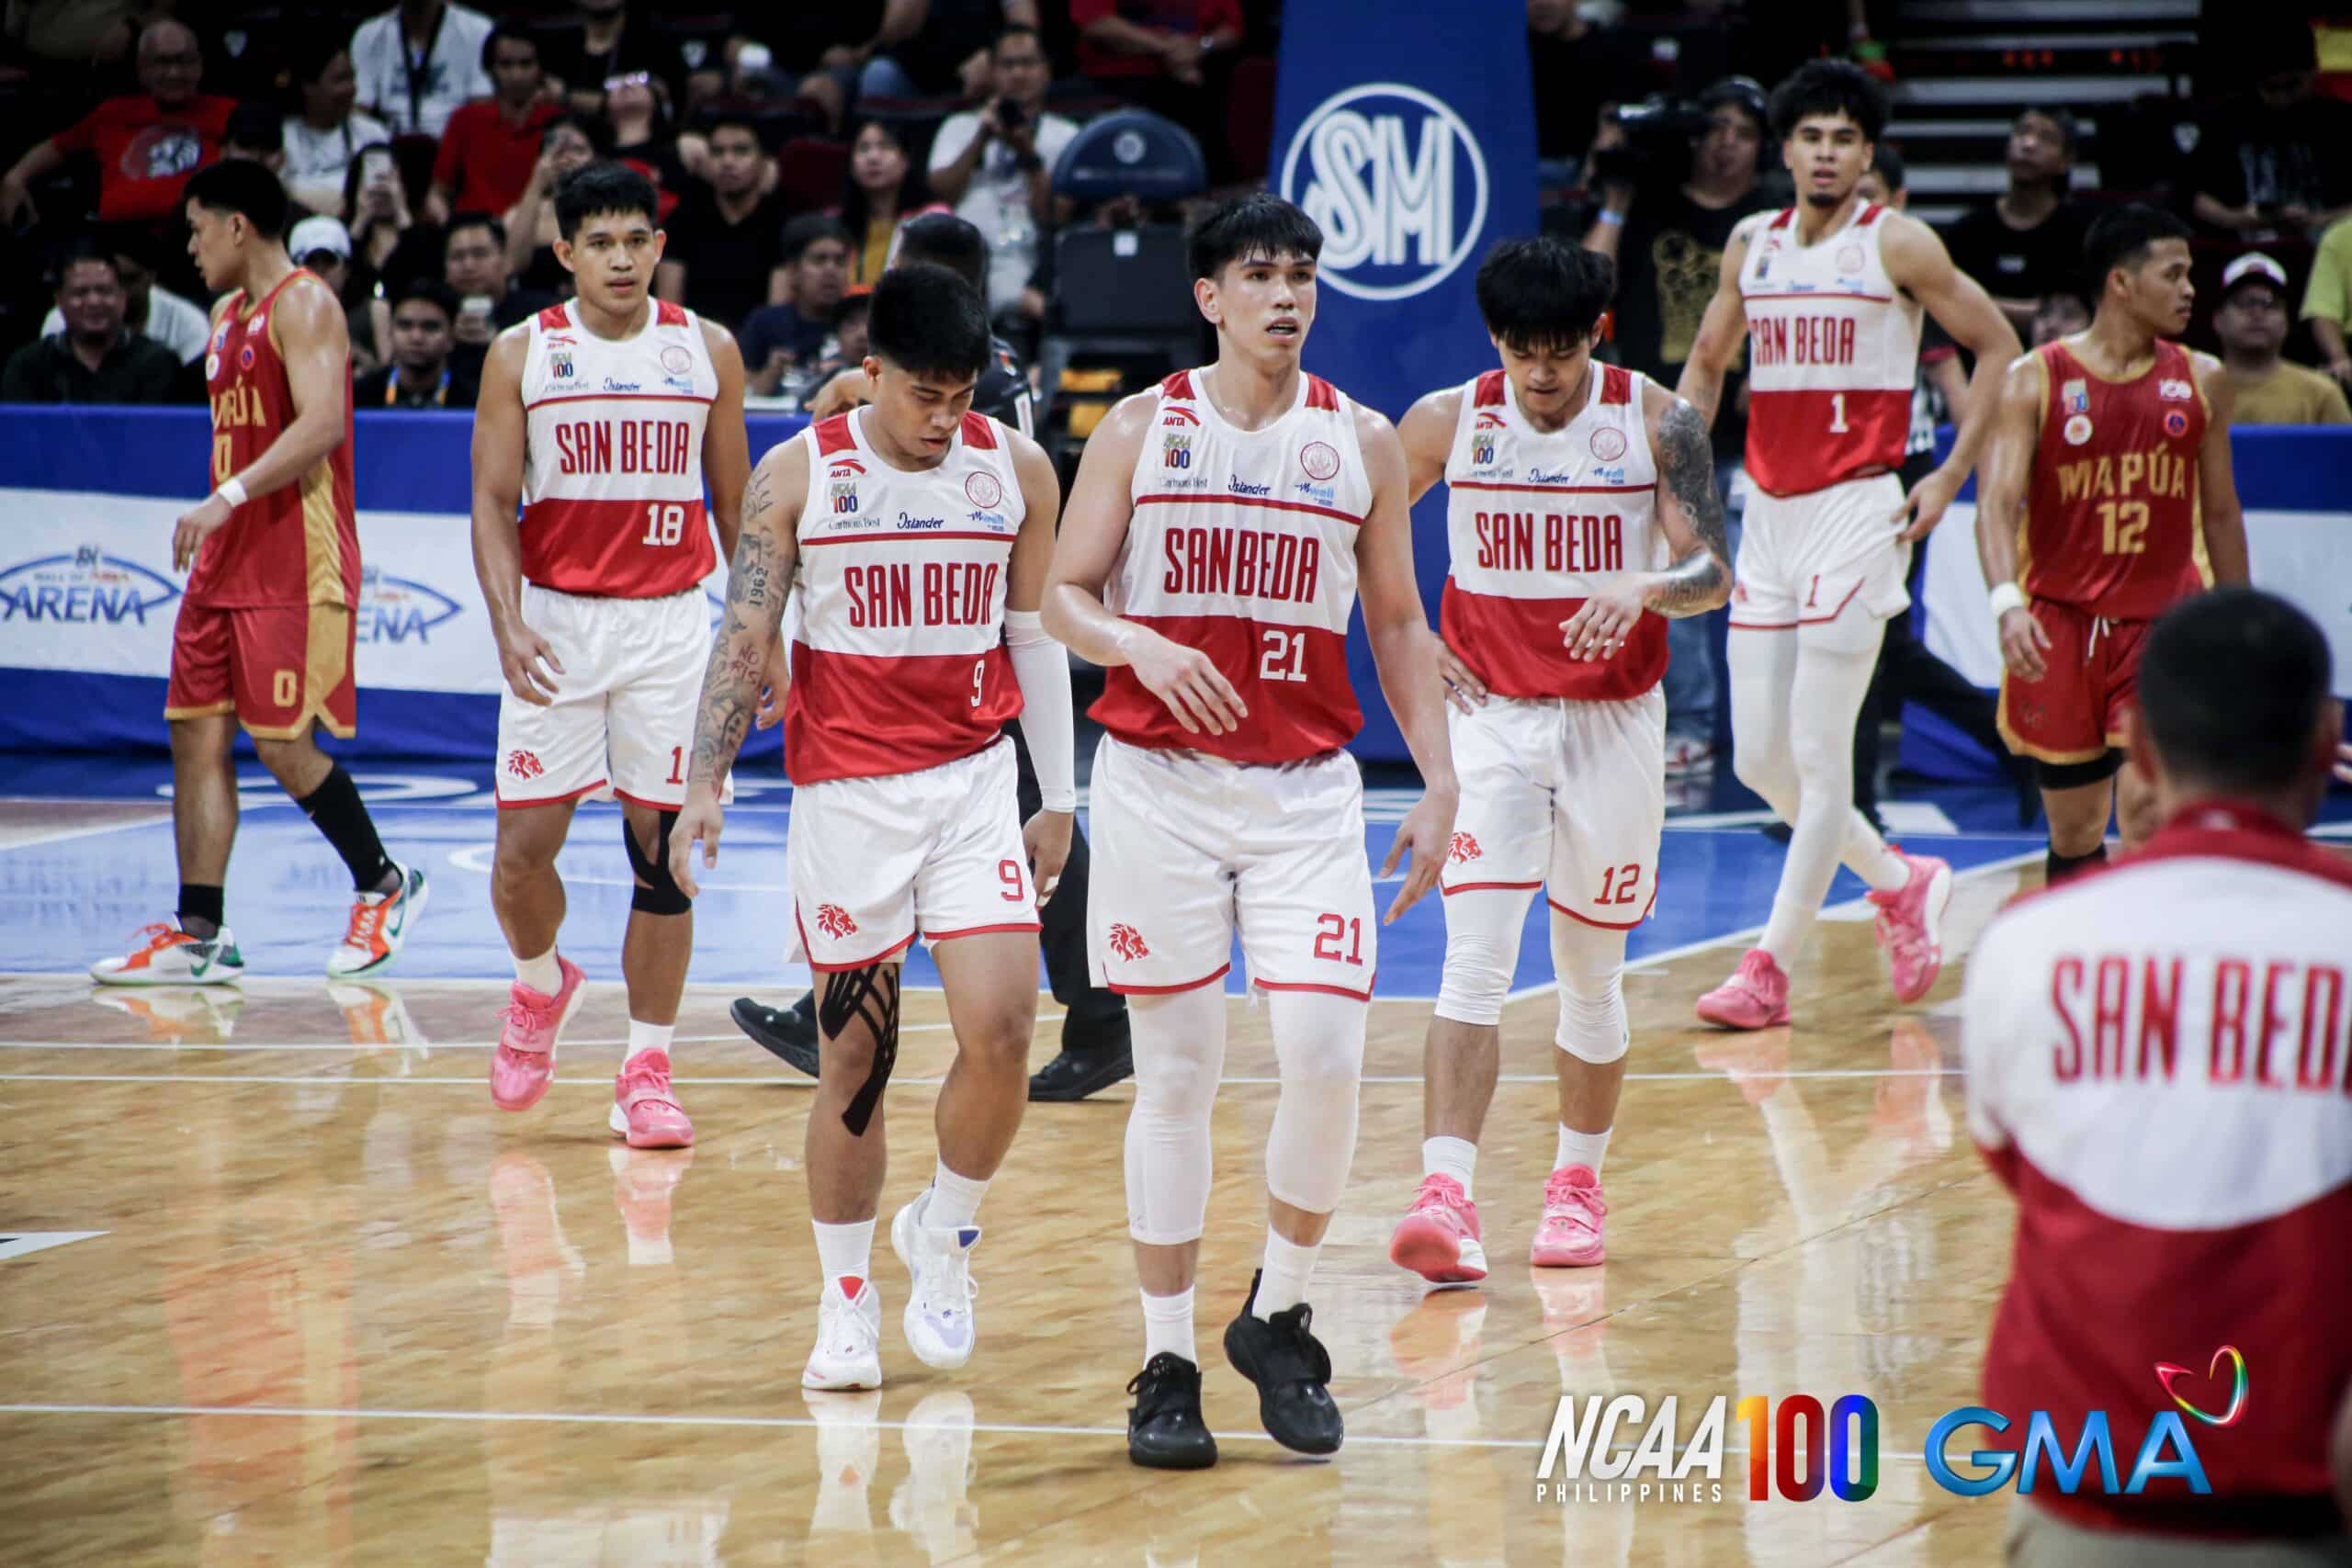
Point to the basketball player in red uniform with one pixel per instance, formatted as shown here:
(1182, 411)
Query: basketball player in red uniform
(264, 635)
(1570, 485)
(1216, 536)
(2110, 456)
(1827, 294)
(598, 425)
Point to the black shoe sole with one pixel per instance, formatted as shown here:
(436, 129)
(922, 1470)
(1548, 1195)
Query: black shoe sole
(1109, 1067)
(1189, 1458)
(1237, 1355)
(746, 1014)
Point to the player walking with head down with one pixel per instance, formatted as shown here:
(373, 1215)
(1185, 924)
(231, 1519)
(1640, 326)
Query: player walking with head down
(919, 533)
(1218, 533)
(264, 635)
(1570, 484)
(602, 419)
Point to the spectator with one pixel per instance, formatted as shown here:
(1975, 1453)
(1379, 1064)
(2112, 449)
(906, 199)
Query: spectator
(995, 165)
(321, 140)
(780, 339)
(1159, 55)
(2327, 300)
(477, 270)
(419, 61)
(849, 336)
(2272, 163)
(947, 53)
(148, 310)
(97, 358)
(2058, 315)
(492, 144)
(2251, 321)
(636, 107)
(2027, 243)
(380, 221)
(937, 239)
(421, 375)
(725, 250)
(570, 142)
(884, 189)
(146, 145)
(323, 245)
(256, 132)
(1581, 63)
(598, 43)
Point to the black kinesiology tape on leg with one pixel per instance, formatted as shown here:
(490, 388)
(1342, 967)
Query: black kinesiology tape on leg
(869, 996)
(660, 894)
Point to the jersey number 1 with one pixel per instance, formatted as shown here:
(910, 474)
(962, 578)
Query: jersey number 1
(1837, 413)
(665, 523)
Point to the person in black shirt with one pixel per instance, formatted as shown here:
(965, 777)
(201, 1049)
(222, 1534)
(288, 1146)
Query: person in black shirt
(97, 359)
(474, 266)
(2029, 241)
(787, 340)
(420, 375)
(600, 41)
(726, 239)
(1095, 1051)
(2271, 162)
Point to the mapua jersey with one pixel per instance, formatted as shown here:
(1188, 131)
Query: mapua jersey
(1243, 547)
(2111, 518)
(898, 663)
(1833, 351)
(299, 544)
(612, 476)
(1534, 523)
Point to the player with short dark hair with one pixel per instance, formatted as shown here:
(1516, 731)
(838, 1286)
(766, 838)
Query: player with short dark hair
(1828, 90)
(916, 533)
(1567, 482)
(265, 634)
(2110, 469)
(598, 425)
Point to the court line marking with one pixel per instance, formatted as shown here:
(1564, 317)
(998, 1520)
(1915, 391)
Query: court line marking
(58, 835)
(425, 1046)
(1248, 1080)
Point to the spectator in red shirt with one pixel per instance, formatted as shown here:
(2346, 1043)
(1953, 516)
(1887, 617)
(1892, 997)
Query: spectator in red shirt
(146, 145)
(1172, 57)
(492, 144)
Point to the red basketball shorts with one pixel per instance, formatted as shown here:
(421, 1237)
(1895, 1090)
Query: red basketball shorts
(2075, 713)
(276, 667)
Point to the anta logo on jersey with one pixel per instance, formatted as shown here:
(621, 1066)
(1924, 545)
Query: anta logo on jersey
(954, 593)
(394, 610)
(86, 588)
(2155, 473)
(1176, 450)
(1173, 415)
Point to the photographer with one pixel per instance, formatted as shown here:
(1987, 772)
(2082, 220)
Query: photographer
(995, 165)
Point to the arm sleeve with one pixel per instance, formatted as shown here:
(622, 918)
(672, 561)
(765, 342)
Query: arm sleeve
(1041, 667)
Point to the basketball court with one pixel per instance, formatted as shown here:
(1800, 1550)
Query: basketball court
(279, 1285)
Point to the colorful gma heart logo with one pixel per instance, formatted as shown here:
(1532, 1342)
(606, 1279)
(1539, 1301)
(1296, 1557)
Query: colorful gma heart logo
(2167, 1372)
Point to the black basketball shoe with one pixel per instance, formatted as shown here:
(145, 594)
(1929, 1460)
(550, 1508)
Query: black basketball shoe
(1165, 1430)
(1291, 1369)
(786, 1033)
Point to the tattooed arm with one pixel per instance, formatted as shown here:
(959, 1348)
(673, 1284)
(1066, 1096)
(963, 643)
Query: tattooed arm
(757, 581)
(1691, 514)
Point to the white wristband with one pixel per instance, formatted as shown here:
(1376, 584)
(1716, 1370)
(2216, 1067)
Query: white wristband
(2007, 597)
(233, 492)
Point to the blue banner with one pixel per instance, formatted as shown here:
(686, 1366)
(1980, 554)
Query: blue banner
(1408, 131)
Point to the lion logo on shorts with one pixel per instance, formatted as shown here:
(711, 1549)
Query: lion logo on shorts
(1463, 848)
(524, 766)
(1127, 943)
(835, 922)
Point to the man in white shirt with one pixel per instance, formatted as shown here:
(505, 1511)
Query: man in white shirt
(418, 61)
(996, 163)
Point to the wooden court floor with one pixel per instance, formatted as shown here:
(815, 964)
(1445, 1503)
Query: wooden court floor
(343, 1311)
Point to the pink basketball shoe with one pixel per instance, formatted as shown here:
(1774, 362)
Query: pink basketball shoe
(1574, 1212)
(1911, 926)
(1756, 996)
(1437, 1238)
(523, 1064)
(644, 1110)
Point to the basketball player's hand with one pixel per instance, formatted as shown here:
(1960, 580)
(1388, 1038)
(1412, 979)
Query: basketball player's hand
(1462, 686)
(841, 394)
(522, 652)
(1188, 682)
(1428, 832)
(774, 684)
(2023, 642)
(1923, 507)
(699, 818)
(1046, 837)
(1606, 621)
(196, 524)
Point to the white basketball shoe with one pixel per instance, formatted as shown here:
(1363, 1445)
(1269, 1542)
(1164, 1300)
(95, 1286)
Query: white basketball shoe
(938, 1320)
(849, 1338)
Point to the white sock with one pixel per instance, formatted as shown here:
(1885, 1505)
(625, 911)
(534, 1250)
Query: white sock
(1580, 1148)
(844, 1252)
(644, 1037)
(542, 973)
(1283, 1285)
(954, 1199)
(1887, 871)
(1456, 1158)
(1168, 1325)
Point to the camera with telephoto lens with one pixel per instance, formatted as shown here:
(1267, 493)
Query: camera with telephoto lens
(1661, 129)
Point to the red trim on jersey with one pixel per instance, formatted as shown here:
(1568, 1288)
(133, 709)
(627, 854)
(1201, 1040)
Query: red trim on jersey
(1616, 384)
(1826, 294)
(1803, 621)
(1266, 501)
(666, 314)
(619, 398)
(911, 538)
(1222, 970)
(1869, 216)
(596, 548)
(1788, 215)
(980, 431)
(1604, 925)
(1516, 649)
(1445, 892)
(1490, 393)
(853, 715)
(1179, 386)
(1362, 995)
(554, 318)
(832, 436)
(882, 957)
(1289, 720)
(506, 805)
(1791, 449)
(980, 930)
(1320, 394)
(1556, 489)
(651, 805)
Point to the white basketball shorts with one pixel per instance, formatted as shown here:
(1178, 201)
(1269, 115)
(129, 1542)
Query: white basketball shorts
(623, 718)
(1808, 561)
(876, 863)
(1564, 795)
(1190, 848)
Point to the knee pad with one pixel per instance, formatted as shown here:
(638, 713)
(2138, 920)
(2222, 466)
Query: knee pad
(869, 996)
(1481, 951)
(658, 892)
(1590, 962)
(1180, 1053)
(1319, 1040)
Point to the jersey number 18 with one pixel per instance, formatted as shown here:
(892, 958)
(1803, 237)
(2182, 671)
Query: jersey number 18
(665, 523)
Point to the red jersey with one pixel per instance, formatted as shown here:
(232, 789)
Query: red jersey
(146, 152)
(299, 544)
(2112, 516)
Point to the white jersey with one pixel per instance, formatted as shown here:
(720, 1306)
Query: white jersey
(1535, 523)
(899, 660)
(1243, 545)
(612, 476)
(1833, 351)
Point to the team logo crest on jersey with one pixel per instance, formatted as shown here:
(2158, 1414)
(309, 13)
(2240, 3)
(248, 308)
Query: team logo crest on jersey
(1608, 444)
(1462, 850)
(2075, 396)
(524, 764)
(676, 360)
(245, 357)
(2078, 429)
(1176, 450)
(1849, 258)
(2174, 391)
(982, 489)
(1320, 459)
(213, 367)
(835, 922)
(2176, 423)
(1127, 943)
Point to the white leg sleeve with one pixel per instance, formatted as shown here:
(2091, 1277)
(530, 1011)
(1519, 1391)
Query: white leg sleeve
(1482, 930)
(1180, 1053)
(1823, 702)
(1763, 671)
(1590, 962)
(1319, 1040)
